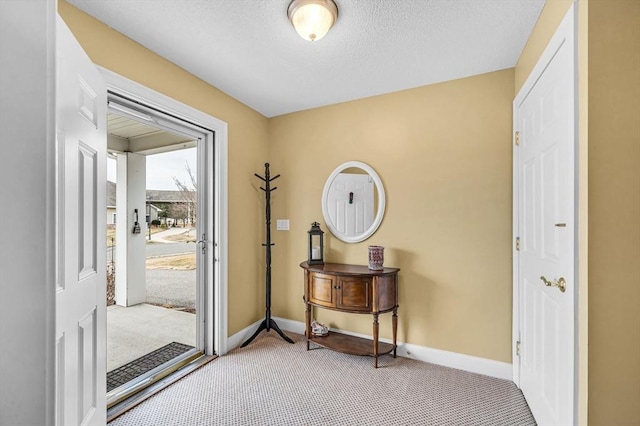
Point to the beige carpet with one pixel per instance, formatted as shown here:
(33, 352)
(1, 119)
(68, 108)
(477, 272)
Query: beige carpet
(271, 382)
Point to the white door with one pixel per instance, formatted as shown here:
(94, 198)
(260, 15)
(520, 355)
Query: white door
(350, 203)
(81, 101)
(545, 223)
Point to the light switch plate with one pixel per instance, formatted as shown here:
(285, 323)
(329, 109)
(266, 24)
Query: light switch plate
(282, 224)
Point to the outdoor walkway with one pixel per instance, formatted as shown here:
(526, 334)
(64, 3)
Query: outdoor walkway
(137, 330)
(159, 237)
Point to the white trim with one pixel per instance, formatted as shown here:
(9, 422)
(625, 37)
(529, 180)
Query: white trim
(123, 86)
(473, 364)
(515, 320)
(291, 325)
(51, 222)
(381, 202)
(470, 363)
(236, 340)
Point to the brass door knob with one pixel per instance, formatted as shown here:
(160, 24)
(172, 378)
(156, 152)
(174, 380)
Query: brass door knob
(561, 283)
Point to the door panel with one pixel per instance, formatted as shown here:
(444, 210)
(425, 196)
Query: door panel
(550, 165)
(60, 377)
(529, 236)
(87, 365)
(87, 233)
(544, 167)
(529, 353)
(81, 261)
(351, 215)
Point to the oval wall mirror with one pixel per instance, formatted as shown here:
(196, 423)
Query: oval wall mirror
(353, 202)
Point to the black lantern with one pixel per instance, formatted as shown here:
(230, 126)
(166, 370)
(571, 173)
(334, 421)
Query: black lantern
(316, 245)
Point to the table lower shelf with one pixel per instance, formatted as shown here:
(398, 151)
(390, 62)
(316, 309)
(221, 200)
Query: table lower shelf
(351, 344)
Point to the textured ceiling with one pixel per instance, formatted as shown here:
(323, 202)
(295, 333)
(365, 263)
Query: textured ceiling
(249, 50)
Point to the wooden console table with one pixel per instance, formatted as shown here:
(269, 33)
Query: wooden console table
(355, 289)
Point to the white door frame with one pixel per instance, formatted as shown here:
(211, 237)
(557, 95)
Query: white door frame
(571, 19)
(216, 330)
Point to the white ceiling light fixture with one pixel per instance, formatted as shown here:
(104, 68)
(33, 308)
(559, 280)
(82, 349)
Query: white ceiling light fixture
(312, 19)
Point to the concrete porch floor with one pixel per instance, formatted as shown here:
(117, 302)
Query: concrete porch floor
(137, 330)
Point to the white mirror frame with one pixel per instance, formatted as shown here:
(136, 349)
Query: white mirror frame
(381, 202)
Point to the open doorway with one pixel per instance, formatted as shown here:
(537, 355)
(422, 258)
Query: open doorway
(76, 251)
(157, 278)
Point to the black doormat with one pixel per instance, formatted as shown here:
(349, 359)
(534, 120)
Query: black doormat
(145, 363)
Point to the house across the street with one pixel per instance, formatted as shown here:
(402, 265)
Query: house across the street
(169, 207)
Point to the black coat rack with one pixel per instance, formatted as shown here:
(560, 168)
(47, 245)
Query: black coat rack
(268, 323)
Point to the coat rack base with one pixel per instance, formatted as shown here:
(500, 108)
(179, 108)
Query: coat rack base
(267, 324)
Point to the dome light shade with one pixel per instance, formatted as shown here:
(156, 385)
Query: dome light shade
(312, 19)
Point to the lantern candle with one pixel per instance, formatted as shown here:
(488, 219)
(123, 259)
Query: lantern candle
(316, 245)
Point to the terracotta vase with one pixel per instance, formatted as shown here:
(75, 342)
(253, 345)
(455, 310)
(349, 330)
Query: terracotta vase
(376, 258)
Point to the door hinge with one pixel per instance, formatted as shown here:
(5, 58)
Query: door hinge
(518, 243)
(517, 138)
(518, 348)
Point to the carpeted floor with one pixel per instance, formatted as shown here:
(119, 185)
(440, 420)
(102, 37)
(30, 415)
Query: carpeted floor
(271, 382)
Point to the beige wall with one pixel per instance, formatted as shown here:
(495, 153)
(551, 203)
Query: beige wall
(548, 21)
(614, 212)
(443, 153)
(247, 149)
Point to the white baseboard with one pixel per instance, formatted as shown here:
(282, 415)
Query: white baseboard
(473, 364)
(290, 325)
(242, 335)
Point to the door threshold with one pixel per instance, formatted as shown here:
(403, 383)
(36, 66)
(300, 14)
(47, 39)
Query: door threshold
(126, 404)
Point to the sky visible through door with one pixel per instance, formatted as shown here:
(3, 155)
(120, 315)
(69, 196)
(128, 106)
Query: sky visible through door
(162, 168)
